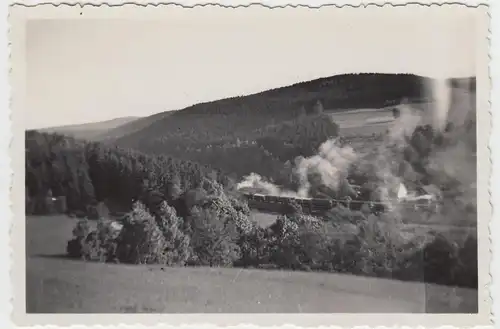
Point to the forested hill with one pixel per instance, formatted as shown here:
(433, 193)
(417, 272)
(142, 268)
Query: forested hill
(267, 129)
(88, 173)
(131, 127)
(238, 117)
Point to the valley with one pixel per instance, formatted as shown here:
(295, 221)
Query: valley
(177, 180)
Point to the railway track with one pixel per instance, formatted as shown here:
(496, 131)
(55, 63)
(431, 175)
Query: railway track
(314, 205)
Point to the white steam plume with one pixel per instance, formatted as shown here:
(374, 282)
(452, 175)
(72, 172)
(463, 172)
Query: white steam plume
(331, 163)
(455, 159)
(403, 127)
(441, 95)
(256, 184)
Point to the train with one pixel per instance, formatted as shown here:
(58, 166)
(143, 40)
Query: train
(274, 203)
(310, 205)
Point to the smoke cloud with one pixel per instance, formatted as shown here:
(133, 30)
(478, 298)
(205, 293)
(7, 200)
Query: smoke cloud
(451, 114)
(256, 184)
(331, 164)
(456, 160)
(441, 94)
(403, 127)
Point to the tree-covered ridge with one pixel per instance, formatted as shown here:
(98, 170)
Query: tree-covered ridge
(264, 150)
(87, 173)
(239, 116)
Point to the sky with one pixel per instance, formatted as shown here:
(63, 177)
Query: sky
(87, 70)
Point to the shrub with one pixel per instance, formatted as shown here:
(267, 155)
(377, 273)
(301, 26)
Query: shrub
(106, 241)
(255, 247)
(74, 248)
(82, 228)
(177, 244)
(467, 273)
(91, 248)
(97, 245)
(301, 242)
(214, 237)
(236, 211)
(441, 260)
(141, 241)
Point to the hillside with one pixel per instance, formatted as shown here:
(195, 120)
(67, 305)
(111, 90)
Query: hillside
(264, 150)
(92, 130)
(246, 120)
(237, 117)
(131, 127)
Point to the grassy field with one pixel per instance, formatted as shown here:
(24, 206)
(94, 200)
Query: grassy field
(59, 285)
(362, 122)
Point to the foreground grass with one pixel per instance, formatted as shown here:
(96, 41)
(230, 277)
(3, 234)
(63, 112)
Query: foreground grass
(56, 284)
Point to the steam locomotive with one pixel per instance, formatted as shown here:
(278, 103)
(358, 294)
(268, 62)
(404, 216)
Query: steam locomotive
(310, 205)
(318, 206)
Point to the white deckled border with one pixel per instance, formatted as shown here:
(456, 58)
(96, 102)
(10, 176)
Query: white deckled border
(240, 320)
(268, 3)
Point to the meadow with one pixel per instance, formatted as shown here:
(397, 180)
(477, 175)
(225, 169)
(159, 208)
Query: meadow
(362, 122)
(57, 284)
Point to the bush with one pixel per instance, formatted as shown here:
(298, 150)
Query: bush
(92, 248)
(96, 245)
(214, 237)
(82, 229)
(255, 248)
(177, 244)
(349, 242)
(141, 241)
(441, 260)
(467, 273)
(106, 241)
(301, 242)
(74, 248)
(218, 232)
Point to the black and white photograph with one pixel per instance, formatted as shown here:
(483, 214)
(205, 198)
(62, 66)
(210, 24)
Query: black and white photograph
(253, 160)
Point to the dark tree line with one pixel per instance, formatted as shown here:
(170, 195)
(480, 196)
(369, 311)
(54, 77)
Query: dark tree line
(265, 150)
(239, 117)
(87, 173)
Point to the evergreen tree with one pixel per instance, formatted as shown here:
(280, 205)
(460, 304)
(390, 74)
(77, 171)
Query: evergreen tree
(318, 108)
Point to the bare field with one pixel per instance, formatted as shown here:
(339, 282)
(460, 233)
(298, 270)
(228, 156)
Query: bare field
(362, 122)
(58, 285)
